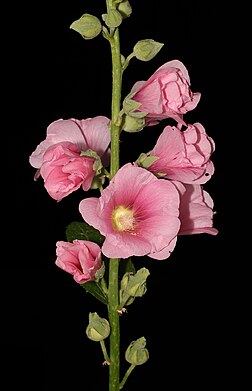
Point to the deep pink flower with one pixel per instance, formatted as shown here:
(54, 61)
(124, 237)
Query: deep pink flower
(184, 155)
(81, 258)
(166, 94)
(196, 210)
(60, 159)
(137, 213)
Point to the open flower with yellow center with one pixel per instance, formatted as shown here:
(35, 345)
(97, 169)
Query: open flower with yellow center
(137, 213)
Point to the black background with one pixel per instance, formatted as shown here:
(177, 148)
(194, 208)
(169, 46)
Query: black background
(53, 73)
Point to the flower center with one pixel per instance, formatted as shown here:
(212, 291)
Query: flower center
(123, 219)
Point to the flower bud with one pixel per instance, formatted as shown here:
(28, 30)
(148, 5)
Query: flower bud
(113, 18)
(136, 352)
(146, 49)
(136, 286)
(98, 328)
(88, 26)
(125, 9)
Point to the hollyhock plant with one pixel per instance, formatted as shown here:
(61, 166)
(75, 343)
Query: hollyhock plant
(143, 207)
(67, 158)
(137, 213)
(166, 94)
(182, 155)
(81, 258)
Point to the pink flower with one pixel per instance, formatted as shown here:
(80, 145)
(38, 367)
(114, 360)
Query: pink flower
(137, 213)
(166, 94)
(196, 210)
(184, 155)
(81, 258)
(195, 213)
(61, 160)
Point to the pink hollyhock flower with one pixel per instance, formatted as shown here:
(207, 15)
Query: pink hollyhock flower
(196, 210)
(81, 258)
(166, 94)
(195, 213)
(184, 155)
(137, 213)
(61, 160)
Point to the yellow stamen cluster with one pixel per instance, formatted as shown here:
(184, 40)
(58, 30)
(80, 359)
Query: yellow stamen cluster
(123, 219)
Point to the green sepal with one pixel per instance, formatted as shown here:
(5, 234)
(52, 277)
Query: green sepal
(145, 160)
(133, 124)
(83, 231)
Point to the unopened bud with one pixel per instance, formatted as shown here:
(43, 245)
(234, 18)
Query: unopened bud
(146, 49)
(89, 26)
(136, 286)
(137, 353)
(113, 18)
(125, 9)
(98, 328)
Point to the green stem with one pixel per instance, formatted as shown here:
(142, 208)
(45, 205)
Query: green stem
(127, 375)
(114, 368)
(113, 291)
(104, 351)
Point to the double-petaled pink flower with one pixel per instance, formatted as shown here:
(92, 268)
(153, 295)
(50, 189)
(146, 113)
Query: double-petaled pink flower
(81, 258)
(166, 94)
(62, 159)
(184, 155)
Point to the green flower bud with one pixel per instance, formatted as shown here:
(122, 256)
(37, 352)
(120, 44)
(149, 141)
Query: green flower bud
(146, 49)
(113, 18)
(98, 328)
(125, 9)
(88, 26)
(132, 124)
(136, 286)
(136, 352)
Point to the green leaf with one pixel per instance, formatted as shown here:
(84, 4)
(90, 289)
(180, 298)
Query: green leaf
(83, 231)
(95, 290)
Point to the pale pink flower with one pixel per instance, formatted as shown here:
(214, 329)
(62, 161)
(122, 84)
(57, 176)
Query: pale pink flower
(60, 159)
(166, 94)
(196, 210)
(184, 155)
(137, 213)
(81, 258)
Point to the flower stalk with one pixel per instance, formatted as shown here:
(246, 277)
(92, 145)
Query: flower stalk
(113, 291)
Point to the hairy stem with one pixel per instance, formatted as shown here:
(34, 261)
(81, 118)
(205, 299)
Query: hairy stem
(113, 292)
